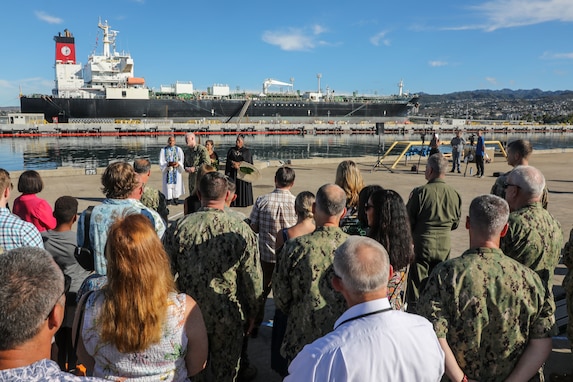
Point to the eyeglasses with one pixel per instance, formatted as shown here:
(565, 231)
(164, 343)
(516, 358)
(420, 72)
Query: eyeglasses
(67, 284)
(506, 185)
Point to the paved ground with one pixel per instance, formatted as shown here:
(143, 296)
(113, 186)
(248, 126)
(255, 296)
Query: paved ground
(311, 174)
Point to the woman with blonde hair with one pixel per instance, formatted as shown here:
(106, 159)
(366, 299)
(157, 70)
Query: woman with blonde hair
(304, 223)
(138, 326)
(349, 178)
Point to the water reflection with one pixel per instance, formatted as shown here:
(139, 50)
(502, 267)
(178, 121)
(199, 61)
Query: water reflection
(52, 152)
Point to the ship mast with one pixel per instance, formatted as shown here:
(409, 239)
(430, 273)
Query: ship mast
(108, 38)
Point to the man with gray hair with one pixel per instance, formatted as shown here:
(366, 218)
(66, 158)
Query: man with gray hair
(434, 210)
(492, 315)
(534, 237)
(32, 305)
(123, 189)
(370, 341)
(301, 280)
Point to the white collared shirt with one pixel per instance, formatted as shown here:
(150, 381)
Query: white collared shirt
(372, 343)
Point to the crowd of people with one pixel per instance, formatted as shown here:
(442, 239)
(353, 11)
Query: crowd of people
(362, 280)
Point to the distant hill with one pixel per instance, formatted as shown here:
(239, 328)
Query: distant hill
(503, 94)
(532, 105)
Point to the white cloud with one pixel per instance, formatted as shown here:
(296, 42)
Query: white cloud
(491, 80)
(557, 56)
(514, 13)
(5, 84)
(295, 39)
(379, 39)
(437, 63)
(48, 18)
(318, 29)
(290, 41)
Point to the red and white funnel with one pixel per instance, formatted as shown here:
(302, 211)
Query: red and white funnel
(65, 48)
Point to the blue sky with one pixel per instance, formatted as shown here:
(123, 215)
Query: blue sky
(436, 47)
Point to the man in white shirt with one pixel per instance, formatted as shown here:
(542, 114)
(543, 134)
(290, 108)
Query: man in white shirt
(370, 341)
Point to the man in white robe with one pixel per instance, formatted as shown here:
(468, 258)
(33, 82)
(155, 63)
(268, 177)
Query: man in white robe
(171, 165)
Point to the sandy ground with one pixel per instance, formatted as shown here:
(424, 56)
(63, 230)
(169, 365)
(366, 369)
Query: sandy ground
(312, 173)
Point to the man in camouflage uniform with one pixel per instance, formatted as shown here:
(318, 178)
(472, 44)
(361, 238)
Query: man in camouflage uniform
(492, 314)
(534, 237)
(568, 284)
(301, 280)
(518, 153)
(195, 157)
(457, 144)
(434, 210)
(151, 198)
(217, 258)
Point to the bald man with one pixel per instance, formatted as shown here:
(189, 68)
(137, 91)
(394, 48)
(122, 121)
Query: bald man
(301, 280)
(370, 341)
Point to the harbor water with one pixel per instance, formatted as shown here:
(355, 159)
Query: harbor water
(52, 152)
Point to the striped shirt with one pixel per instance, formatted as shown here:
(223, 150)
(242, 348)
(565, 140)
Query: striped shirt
(15, 232)
(272, 212)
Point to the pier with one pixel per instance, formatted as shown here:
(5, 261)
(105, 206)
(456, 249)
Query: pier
(167, 127)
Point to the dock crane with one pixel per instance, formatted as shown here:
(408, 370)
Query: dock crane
(270, 82)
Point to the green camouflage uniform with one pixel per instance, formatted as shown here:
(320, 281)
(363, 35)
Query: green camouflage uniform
(535, 239)
(302, 290)
(217, 258)
(195, 157)
(487, 306)
(498, 189)
(568, 283)
(434, 210)
(155, 200)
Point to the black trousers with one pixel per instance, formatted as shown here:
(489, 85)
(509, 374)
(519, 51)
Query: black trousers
(480, 165)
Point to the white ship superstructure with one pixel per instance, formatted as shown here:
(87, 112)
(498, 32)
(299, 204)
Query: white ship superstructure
(109, 75)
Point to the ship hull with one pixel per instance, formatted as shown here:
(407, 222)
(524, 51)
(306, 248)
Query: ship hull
(64, 109)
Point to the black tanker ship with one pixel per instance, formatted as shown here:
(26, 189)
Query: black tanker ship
(105, 88)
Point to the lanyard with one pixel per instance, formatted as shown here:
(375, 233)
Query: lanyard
(362, 316)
